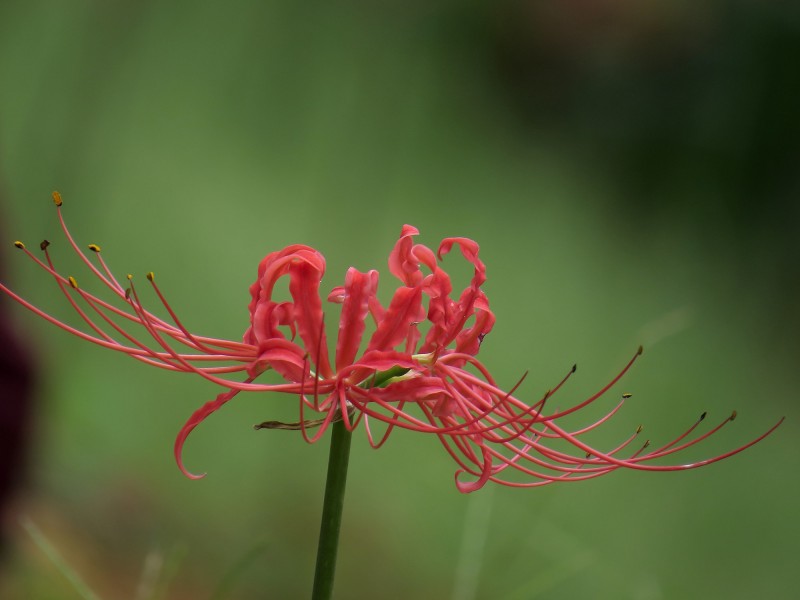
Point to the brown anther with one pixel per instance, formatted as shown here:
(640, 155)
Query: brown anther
(44, 244)
(639, 352)
(19, 245)
(94, 247)
(703, 416)
(72, 282)
(627, 395)
(733, 416)
(639, 429)
(574, 367)
(127, 293)
(646, 444)
(57, 199)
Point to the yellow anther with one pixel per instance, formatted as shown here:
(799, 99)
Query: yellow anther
(639, 429)
(57, 199)
(627, 395)
(72, 282)
(129, 276)
(19, 245)
(151, 276)
(94, 247)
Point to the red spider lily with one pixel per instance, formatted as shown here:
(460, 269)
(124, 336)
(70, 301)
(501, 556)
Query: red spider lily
(431, 385)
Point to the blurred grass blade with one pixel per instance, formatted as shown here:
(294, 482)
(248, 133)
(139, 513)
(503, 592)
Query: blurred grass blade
(168, 571)
(473, 545)
(229, 579)
(55, 557)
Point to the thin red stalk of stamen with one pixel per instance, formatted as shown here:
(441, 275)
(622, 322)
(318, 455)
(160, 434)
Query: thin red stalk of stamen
(291, 388)
(82, 256)
(303, 399)
(344, 406)
(135, 353)
(567, 472)
(488, 385)
(246, 350)
(598, 394)
(117, 286)
(389, 429)
(670, 448)
(111, 282)
(410, 422)
(157, 359)
(513, 462)
(64, 280)
(514, 420)
(68, 328)
(599, 422)
(166, 358)
(108, 279)
(73, 284)
(636, 464)
(350, 412)
(198, 344)
(582, 467)
(555, 455)
(572, 409)
(444, 359)
(617, 450)
(689, 431)
(97, 302)
(322, 428)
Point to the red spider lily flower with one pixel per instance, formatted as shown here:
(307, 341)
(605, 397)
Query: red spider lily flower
(426, 380)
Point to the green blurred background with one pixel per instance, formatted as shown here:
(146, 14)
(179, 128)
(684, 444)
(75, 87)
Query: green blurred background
(630, 171)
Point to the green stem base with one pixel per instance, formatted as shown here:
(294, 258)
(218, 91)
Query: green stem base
(332, 512)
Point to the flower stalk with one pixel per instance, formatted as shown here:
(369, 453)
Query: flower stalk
(332, 509)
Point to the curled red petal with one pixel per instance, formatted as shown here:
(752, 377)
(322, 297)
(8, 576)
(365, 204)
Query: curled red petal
(402, 262)
(305, 275)
(359, 288)
(274, 266)
(286, 357)
(384, 360)
(198, 417)
(405, 310)
(465, 487)
(336, 295)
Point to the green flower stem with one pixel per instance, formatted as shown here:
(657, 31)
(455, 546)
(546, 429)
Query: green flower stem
(333, 504)
(332, 512)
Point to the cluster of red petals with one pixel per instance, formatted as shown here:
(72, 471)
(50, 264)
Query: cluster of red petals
(418, 370)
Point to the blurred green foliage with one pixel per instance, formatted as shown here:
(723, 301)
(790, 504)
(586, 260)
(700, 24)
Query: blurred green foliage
(630, 172)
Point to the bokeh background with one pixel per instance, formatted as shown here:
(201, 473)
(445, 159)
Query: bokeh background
(630, 170)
